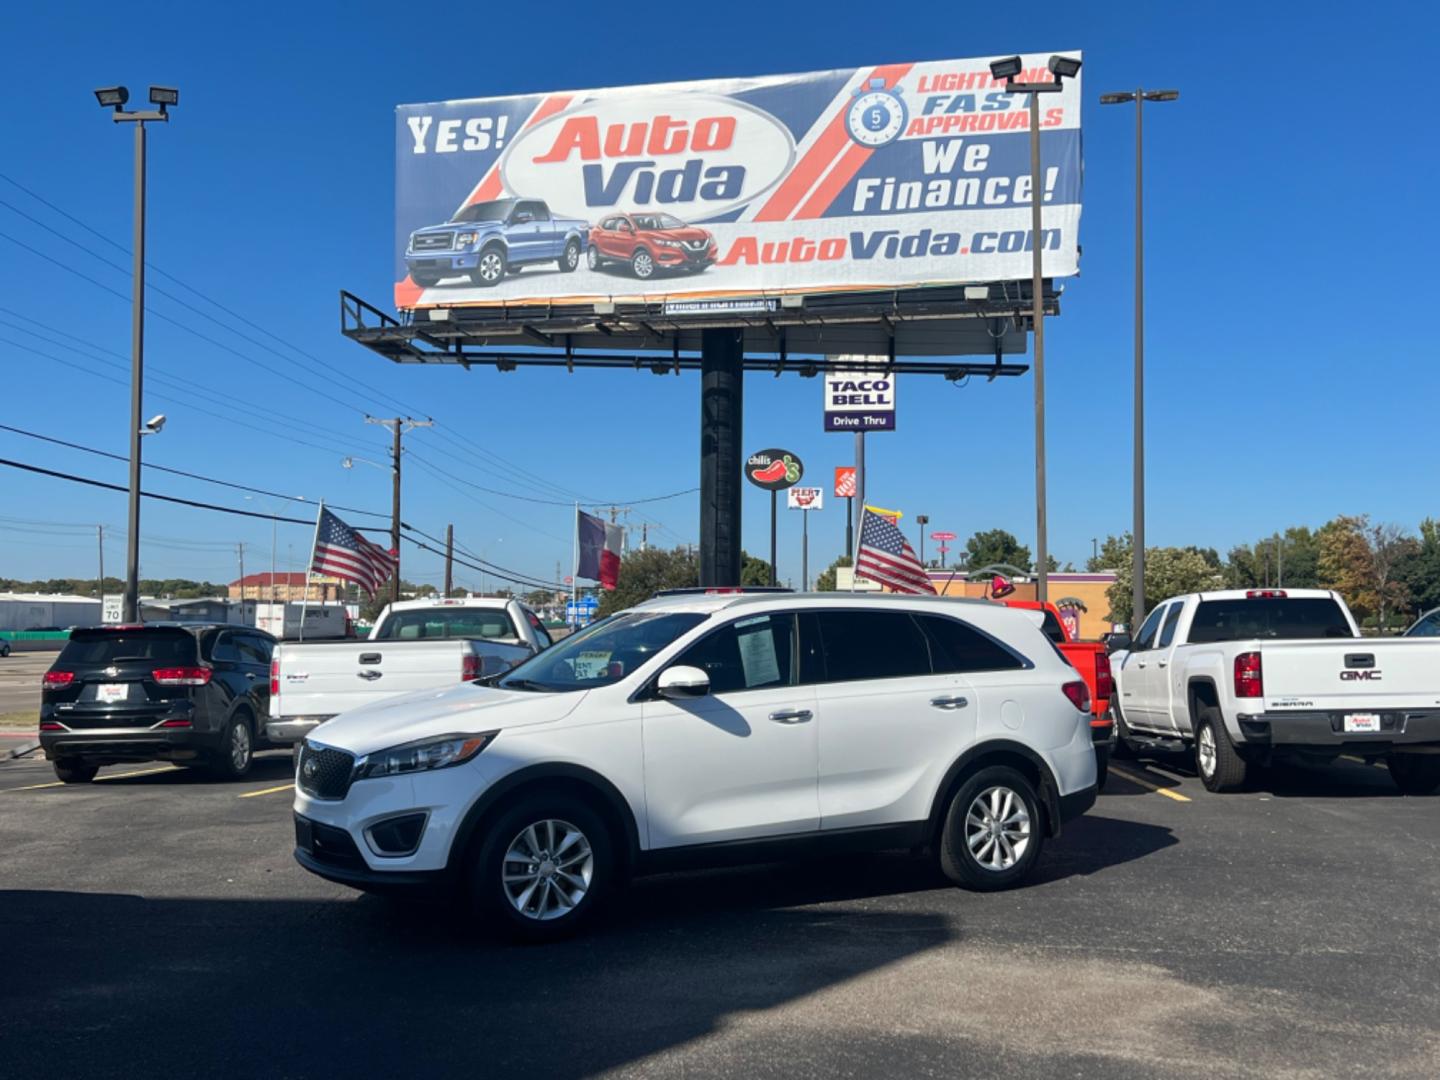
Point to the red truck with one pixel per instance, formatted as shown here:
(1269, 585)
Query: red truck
(1092, 660)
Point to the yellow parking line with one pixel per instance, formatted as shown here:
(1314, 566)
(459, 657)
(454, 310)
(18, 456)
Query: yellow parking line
(113, 776)
(268, 790)
(1147, 784)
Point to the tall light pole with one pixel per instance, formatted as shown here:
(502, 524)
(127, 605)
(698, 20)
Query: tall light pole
(1061, 68)
(114, 98)
(1139, 97)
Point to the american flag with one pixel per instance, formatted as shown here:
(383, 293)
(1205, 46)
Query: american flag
(887, 557)
(342, 552)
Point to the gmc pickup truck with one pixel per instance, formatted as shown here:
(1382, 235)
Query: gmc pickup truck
(1242, 677)
(416, 645)
(485, 241)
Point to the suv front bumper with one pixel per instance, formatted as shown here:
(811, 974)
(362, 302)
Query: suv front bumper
(1326, 730)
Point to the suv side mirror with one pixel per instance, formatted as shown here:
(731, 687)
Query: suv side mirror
(1117, 643)
(682, 682)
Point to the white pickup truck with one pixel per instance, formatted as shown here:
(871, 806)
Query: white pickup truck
(1239, 677)
(415, 645)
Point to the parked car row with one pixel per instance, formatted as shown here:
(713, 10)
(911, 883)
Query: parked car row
(487, 240)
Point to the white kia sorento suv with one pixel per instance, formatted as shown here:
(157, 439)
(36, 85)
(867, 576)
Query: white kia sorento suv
(698, 728)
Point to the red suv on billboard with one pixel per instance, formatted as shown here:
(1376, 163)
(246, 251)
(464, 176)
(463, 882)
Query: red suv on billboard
(650, 242)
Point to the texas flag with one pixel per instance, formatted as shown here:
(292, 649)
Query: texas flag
(599, 544)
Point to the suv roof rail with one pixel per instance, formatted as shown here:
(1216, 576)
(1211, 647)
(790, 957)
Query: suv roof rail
(725, 590)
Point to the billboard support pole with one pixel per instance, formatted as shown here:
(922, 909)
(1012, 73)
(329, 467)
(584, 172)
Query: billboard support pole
(850, 525)
(859, 483)
(722, 401)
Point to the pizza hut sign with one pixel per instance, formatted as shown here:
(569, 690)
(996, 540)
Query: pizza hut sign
(805, 498)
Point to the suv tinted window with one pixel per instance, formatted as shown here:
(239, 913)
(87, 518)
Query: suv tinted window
(957, 646)
(223, 647)
(113, 646)
(253, 650)
(1278, 617)
(749, 654)
(871, 645)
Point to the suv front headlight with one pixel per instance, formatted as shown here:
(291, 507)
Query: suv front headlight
(439, 752)
(668, 243)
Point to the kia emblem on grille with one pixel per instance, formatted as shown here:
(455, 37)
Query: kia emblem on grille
(309, 769)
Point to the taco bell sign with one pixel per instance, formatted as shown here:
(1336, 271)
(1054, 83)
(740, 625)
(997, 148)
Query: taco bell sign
(860, 400)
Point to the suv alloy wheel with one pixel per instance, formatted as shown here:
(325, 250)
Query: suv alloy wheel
(592, 257)
(237, 748)
(544, 867)
(993, 831)
(642, 264)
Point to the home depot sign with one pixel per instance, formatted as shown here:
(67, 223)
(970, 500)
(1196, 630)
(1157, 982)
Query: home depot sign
(860, 400)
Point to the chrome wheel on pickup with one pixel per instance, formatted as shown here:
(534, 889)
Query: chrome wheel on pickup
(490, 269)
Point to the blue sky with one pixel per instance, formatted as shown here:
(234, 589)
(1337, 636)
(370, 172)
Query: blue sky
(1285, 197)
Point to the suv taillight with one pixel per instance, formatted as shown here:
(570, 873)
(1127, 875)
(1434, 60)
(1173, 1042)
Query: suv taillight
(471, 668)
(1078, 693)
(181, 676)
(274, 678)
(1104, 679)
(1249, 680)
(53, 680)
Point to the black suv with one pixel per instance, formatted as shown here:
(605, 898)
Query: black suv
(191, 694)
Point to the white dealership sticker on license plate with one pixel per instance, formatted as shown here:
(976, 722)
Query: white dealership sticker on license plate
(113, 691)
(1362, 721)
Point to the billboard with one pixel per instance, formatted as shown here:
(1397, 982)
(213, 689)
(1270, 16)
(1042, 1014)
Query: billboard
(805, 498)
(872, 177)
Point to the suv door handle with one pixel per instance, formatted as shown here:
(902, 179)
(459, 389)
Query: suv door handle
(949, 702)
(251, 675)
(791, 716)
(1164, 663)
(1139, 663)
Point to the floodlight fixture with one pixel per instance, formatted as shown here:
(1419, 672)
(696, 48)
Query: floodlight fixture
(112, 97)
(1005, 70)
(164, 96)
(1161, 95)
(154, 424)
(1120, 98)
(1064, 67)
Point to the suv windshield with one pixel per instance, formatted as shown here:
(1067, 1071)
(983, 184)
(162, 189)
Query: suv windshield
(485, 211)
(658, 221)
(1282, 618)
(456, 622)
(602, 653)
(87, 647)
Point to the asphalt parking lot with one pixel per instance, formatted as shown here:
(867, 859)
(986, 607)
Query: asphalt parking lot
(155, 923)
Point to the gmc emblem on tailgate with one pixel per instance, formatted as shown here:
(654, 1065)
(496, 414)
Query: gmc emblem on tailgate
(1357, 676)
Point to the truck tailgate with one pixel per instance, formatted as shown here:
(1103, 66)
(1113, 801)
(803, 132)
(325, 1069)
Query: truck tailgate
(1360, 673)
(326, 679)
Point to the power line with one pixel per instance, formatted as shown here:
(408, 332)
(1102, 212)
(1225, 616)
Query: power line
(182, 283)
(499, 571)
(182, 472)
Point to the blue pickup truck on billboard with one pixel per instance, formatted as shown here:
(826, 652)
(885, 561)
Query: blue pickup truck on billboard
(873, 177)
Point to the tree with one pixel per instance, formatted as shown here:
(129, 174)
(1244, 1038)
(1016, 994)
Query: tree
(1288, 559)
(1419, 568)
(1169, 572)
(1114, 553)
(1390, 548)
(826, 581)
(997, 546)
(1346, 564)
(644, 573)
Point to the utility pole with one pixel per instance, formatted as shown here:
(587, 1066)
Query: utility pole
(240, 550)
(644, 535)
(100, 592)
(449, 558)
(398, 426)
(922, 520)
